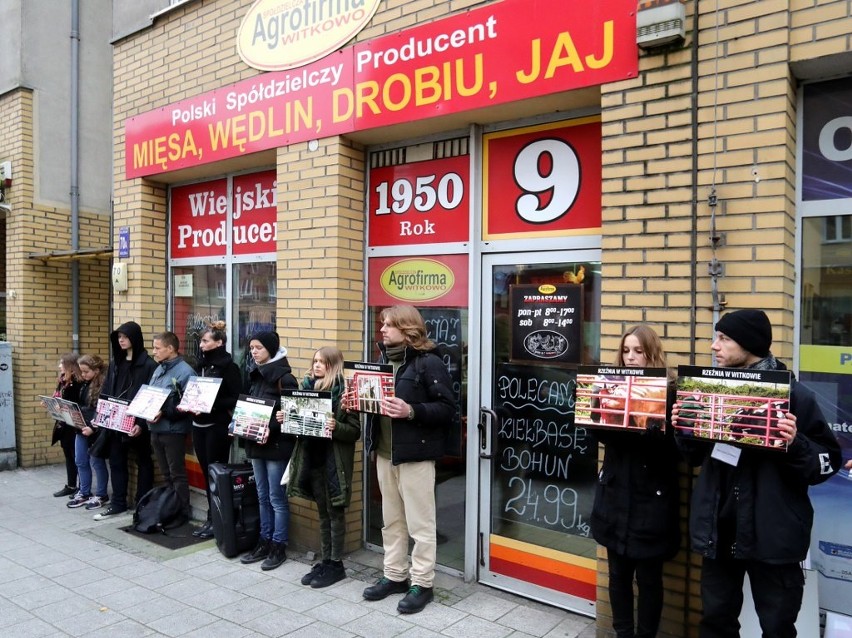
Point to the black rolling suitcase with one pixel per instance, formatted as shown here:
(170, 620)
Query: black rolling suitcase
(235, 511)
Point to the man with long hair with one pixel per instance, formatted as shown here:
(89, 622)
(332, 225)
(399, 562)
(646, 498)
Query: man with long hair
(406, 440)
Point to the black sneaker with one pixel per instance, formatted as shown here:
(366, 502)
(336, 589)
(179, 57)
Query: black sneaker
(277, 555)
(415, 600)
(260, 551)
(384, 587)
(332, 572)
(316, 570)
(65, 491)
(78, 500)
(112, 510)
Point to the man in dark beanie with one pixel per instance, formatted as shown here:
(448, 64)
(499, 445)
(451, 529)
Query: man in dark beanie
(750, 511)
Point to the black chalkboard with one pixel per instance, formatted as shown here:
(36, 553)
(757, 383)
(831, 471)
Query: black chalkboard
(444, 327)
(546, 322)
(544, 467)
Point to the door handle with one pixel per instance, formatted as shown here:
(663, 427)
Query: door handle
(487, 417)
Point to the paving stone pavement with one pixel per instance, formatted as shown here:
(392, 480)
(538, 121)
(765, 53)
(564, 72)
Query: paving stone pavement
(64, 574)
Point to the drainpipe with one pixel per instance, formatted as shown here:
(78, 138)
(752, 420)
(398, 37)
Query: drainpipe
(693, 240)
(75, 172)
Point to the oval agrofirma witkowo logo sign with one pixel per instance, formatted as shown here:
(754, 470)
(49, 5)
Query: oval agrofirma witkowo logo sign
(276, 35)
(417, 279)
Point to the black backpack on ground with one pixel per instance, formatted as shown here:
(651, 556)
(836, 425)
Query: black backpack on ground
(158, 510)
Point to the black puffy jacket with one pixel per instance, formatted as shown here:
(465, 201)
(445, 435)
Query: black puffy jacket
(267, 381)
(422, 381)
(768, 489)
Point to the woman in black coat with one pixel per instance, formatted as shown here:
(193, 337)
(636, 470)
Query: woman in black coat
(210, 429)
(635, 513)
(68, 388)
(271, 375)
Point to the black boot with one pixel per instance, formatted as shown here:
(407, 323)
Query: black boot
(66, 491)
(332, 572)
(384, 587)
(415, 600)
(277, 555)
(205, 531)
(260, 551)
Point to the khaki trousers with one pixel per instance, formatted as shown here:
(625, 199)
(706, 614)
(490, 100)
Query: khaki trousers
(408, 509)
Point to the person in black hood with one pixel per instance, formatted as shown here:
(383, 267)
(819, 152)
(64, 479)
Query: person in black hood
(271, 374)
(129, 370)
(210, 430)
(750, 511)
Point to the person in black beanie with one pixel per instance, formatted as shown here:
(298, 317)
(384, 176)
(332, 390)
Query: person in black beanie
(271, 375)
(750, 511)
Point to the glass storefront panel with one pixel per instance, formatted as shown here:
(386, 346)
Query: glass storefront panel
(825, 365)
(198, 299)
(254, 298)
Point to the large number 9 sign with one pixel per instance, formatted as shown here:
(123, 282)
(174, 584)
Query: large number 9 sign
(542, 180)
(548, 171)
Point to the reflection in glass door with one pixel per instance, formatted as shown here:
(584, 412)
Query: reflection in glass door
(537, 470)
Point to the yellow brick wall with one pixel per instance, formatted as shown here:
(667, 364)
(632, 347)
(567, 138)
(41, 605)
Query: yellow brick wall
(321, 241)
(38, 304)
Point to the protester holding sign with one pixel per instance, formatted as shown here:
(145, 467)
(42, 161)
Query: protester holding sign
(321, 469)
(407, 438)
(68, 388)
(750, 512)
(92, 371)
(129, 370)
(210, 429)
(635, 514)
(169, 426)
(269, 376)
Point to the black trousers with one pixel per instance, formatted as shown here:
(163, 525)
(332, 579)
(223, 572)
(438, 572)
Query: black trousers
(212, 445)
(67, 440)
(649, 604)
(332, 520)
(121, 448)
(777, 591)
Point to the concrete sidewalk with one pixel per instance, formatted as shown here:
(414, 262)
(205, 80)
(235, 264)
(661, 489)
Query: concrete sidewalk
(63, 574)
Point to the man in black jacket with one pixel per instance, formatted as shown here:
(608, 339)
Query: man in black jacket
(750, 507)
(129, 370)
(407, 439)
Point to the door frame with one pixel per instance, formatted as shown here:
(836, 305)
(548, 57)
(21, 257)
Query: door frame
(479, 395)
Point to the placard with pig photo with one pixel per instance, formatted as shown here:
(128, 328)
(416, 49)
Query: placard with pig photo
(621, 398)
(735, 405)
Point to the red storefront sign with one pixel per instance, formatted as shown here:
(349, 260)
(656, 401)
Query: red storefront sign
(199, 216)
(423, 281)
(420, 203)
(542, 180)
(480, 58)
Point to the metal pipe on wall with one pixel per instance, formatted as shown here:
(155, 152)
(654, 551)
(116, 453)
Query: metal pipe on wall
(74, 95)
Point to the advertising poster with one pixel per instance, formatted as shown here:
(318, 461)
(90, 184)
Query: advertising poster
(546, 322)
(831, 537)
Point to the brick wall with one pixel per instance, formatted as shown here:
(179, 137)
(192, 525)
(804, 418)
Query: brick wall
(38, 304)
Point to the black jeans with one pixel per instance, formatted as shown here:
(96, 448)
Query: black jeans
(121, 447)
(170, 450)
(777, 591)
(649, 582)
(332, 520)
(212, 445)
(67, 440)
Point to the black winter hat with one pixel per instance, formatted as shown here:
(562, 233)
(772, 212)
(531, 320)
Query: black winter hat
(268, 340)
(749, 328)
